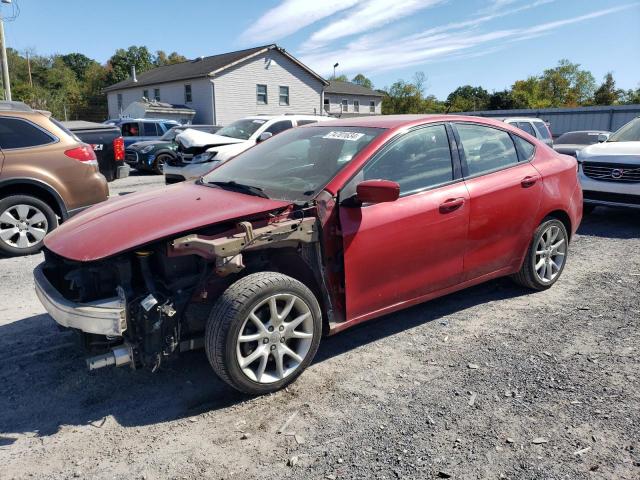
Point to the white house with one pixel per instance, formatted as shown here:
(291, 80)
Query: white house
(223, 88)
(346, 99)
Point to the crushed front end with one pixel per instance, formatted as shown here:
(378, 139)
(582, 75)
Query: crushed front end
(142, 306)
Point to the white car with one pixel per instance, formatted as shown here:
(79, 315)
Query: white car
(198, 153)
(610, 171)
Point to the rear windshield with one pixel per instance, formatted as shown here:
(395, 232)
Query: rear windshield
(578, 138)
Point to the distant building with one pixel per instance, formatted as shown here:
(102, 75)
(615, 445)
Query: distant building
(223, 88)
(346, 99)
(151, 109)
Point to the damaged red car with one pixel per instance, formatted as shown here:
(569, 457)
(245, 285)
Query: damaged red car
(311, 232)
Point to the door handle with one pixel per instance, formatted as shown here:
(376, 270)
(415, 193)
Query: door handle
(451, 204)
(527, 182)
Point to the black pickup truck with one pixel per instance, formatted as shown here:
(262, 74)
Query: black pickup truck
(107, 143)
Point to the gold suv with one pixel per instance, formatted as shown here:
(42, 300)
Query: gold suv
(46, 175)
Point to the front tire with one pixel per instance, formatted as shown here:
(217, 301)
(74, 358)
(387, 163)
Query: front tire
(263, 332)
(159, 163)
(546, 256)
(24, 222)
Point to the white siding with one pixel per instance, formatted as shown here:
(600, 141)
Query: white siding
(335, 100)
(235, 88)
(201, 93)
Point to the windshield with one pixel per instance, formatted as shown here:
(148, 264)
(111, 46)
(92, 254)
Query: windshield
(171, 134)
(242, 129)
(627, 133)
(295, 164)
(578, 138)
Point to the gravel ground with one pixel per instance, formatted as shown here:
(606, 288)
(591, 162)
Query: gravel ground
(491, 382)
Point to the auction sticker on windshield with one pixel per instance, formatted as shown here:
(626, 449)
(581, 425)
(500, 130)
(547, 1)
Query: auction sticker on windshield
(259, 122)
(351, 136)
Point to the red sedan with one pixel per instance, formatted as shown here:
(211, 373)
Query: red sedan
(309, 233)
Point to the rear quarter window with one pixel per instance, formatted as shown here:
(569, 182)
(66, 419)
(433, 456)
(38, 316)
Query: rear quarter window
(18, 133)
(544, 131)
(525, 149)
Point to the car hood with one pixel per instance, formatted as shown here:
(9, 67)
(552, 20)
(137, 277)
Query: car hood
(612, 148)
(195, 138)
(130, 221)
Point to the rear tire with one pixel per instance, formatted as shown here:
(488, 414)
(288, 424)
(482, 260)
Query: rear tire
(24, 221)
(546, 257)
(254, 350)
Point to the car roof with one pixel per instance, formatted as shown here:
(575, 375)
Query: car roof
(519, 119)
(284, 117)
(403, 121)
(154, 120)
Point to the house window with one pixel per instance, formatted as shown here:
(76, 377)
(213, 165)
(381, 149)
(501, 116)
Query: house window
(284, 95)
(187, 94)
(356, 106)
(120, 102)
(156, 94)
(372, 106)
(145, 94)
(327, 104)
(261, 94)
(345, 106)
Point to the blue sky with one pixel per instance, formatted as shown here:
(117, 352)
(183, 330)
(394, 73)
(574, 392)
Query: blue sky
(490, 43)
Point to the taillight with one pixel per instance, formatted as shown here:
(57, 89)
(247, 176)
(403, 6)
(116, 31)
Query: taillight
(84, 153)
(118, 149)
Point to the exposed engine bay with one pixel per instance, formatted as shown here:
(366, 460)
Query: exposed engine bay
(168, 288)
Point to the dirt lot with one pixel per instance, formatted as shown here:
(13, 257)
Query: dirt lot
(492, 382)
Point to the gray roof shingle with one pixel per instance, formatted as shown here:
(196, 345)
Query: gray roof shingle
(199, 67)
(348, 88)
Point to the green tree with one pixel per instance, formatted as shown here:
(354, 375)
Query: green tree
(529, 94)
(360, 79)
(631, 96)
(502, 100)
(468, 99)
(607, 93)
(405, 97)
(78, 62)
(161, 58)
(567, 85)
(119, 65)
(341, 78)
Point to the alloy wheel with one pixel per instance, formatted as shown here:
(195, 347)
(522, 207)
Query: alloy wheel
(275, 338)
(22, 226)
(550, 255)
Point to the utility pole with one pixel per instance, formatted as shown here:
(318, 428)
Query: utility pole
(5, 65)
(29, 69)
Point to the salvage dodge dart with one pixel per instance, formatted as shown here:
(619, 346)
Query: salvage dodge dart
(308, 233)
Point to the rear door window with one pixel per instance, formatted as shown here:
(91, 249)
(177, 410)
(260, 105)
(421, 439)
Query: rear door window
(486, 149)
(17, 133)
(150, 129)
(419, 160)
(130, 129)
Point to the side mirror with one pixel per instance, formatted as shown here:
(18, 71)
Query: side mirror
(603, 137)
(377, 191)
(264, 136)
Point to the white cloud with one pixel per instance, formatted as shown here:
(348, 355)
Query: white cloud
(291, 16)
(365, 55)
(365, 16)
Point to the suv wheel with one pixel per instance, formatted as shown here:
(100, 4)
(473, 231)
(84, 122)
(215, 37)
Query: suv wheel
(158, 165)
(546, 257)
(24, 221)
(263, 332)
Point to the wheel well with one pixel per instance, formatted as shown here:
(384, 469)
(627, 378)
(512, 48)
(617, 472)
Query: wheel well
(563, 217)
(35, 191)
(290, 262)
